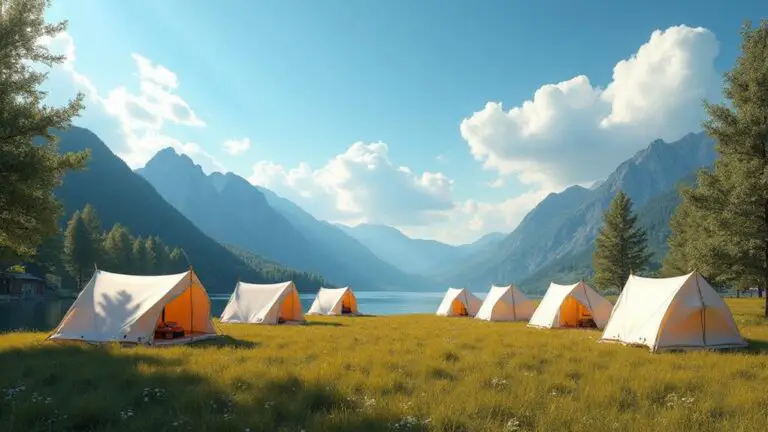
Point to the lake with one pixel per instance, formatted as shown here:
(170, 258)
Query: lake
(46, 314)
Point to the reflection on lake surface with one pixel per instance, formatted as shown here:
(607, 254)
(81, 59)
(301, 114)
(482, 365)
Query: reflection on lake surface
(44, 315)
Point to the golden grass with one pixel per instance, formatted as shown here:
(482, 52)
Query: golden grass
(386, 373)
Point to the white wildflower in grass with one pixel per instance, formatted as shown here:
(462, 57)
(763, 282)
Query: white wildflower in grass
(512, 425)
(498, 382)
(268, 404)
(126, 414)
(11, 393)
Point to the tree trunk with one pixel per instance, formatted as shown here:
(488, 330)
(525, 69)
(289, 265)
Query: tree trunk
(759, 292)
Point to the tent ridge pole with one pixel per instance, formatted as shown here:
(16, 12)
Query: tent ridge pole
(703, 311)
(514, 305)
(191, 307)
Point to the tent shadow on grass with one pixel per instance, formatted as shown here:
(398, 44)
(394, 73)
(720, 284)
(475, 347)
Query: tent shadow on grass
(224, 341)
(324, 323)
(83, 387)
(755, 347)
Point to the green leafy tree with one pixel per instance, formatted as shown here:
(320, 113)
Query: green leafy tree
(78, 249)
(29, 170)
(118, 248)
(722, 226)
(621, 247)
(139, 261)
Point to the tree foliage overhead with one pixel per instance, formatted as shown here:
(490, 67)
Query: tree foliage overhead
(621, 247)
(29, 171)
(721, 228)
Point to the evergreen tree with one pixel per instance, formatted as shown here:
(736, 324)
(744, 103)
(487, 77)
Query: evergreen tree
(723, 229)
(50, 254)
(29, 170)
(621, 247)
(78, 249)
(95, 232)
(177, 261)
(162, 256)
(118, 248)
(139, 261)
(150, 256)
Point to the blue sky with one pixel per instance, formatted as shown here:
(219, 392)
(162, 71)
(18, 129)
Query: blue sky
(305, 80)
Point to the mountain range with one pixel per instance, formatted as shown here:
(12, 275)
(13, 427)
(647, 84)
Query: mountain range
(121, 196)
(557, 236)
(231, 229)
(230, 210)
(427, 257)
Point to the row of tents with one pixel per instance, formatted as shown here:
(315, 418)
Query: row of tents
(662, 313)
(675, 313)
(176, 308)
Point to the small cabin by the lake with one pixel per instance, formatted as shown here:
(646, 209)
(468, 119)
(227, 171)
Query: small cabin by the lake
(21, 285)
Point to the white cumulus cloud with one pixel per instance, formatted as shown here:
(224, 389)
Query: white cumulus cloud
(572, 131)
(361, 184)
(141, 115)
(237, 146)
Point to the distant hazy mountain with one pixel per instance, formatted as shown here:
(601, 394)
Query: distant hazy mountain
(234, 212)
(121, 196)
(417, 256)
(576, 265)
(566, 223)
(483, 242)
(410, 255)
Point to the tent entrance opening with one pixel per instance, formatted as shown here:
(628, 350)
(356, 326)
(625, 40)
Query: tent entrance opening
(575, 314)
(459, 309)
(346, 304)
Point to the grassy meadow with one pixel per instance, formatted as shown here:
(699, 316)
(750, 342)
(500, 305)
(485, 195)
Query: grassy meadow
(417, 373)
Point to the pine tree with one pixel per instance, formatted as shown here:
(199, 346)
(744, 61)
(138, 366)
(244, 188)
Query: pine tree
(150, 257)
(95, 232)
(177, 262)
(139, 257)
(78, 249)
(621, 247)
(118, 249)
(723, 232)
(29, 169)
(50, 254)
(162, 256)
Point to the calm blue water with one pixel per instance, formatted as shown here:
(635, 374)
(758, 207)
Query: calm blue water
(46, 314)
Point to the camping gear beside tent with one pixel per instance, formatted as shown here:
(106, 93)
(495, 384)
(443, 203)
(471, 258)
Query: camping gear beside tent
(459, 302)
(576, 305)
(128, 308)
(506, 303)
(263, 304)
(682, 312)
(334, 301)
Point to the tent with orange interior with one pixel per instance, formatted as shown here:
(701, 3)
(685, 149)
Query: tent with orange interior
(151, 310)
(334, 301)
(459, 302)
(567, 306)
(677, 313)
(264, 304)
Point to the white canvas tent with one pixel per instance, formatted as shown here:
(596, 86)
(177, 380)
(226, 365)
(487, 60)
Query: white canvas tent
(334, 301)
(506, 303)
(128, 308)
(459, 302)
(263, 304)
(576, 305)
(681, 312)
